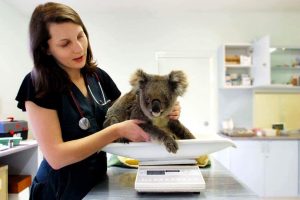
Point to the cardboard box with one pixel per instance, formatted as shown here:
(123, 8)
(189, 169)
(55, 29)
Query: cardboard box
(17, 183)
(3, 182)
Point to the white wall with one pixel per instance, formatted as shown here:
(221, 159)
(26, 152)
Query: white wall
(15, 61)
(124, 41)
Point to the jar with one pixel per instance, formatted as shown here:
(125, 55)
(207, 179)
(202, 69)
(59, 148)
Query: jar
(294, 80)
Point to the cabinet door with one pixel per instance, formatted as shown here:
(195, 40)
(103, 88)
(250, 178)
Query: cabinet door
(261, 62)
(247, 163)
(290, 110)
(199, 103)
(266, 110)
(271, 108)
(281, 168)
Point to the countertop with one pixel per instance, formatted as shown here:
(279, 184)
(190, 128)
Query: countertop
(24, 145)
(220, 185)
(280, 137)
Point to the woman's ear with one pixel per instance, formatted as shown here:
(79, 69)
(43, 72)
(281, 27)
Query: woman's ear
(48, 52)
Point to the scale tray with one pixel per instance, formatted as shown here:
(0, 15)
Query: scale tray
(153, 151)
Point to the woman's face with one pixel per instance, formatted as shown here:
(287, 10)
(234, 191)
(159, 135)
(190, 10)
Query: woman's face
(68, 45)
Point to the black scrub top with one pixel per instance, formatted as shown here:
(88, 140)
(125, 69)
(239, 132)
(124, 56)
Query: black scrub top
(73, 181)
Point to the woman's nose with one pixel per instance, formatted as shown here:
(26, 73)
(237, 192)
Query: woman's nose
(77, 48)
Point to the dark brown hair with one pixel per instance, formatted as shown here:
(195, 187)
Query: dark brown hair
(47, 76)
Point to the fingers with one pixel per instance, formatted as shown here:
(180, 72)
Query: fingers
(137, 121)
(132, 131)
(145, 136)
(175, 113)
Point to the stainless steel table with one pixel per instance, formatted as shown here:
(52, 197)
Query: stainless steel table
(220, 185)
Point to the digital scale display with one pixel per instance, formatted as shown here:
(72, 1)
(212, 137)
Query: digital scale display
(161, 172)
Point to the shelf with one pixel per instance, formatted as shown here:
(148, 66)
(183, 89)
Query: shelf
(277, 88)
(237, 66)
(238, 45)
(237, 87)
(284, 68)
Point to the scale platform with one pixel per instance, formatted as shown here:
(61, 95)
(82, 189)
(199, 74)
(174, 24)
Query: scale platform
(169, 178)
(162, 171)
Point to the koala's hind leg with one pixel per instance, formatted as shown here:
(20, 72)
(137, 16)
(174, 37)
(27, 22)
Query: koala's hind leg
(179, 130)
(162, 136)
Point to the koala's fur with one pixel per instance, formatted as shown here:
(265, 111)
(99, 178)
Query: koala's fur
(151, 99)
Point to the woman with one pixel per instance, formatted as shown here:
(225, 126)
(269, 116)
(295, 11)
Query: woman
(66, 97)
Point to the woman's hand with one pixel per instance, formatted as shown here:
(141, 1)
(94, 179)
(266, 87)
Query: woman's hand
(175, 113)
(131, 130)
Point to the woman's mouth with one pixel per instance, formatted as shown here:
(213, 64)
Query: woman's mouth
(79, 59)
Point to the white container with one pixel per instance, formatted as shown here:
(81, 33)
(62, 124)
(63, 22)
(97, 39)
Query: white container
(245, 60)
(246, 81)
(269, 132)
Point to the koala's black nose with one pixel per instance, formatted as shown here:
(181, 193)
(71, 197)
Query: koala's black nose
(156, 106)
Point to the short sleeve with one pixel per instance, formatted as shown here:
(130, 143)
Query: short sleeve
(27, 93)
(110, 88)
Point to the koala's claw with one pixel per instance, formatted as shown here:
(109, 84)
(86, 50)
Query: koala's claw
(123, 140)
(171, 145)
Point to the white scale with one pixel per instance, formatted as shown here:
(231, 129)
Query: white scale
(161, 171)
(169, 176)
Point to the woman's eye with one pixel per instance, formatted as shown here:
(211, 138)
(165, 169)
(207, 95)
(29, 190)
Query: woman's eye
(64, 44)
(81, 36)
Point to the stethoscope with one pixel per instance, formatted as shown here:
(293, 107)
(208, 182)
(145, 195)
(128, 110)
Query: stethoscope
(84, 123)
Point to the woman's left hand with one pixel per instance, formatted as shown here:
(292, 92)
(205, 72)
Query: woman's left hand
(175, 113)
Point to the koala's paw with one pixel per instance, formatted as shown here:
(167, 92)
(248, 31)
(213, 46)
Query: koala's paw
(122, 140)
(171, 145)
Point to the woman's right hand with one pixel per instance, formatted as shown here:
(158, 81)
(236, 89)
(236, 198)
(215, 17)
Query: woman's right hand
(131, 130)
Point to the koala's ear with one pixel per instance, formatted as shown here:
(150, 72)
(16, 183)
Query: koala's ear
(178, 82)
(139, 79)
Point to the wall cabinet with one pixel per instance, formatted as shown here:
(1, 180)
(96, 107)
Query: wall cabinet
(263, 65)
(285, 66)
(269, 168)
(245, 65)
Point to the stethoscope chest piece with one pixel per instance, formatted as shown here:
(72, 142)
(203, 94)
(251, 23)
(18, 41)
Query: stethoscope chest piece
(84, 123)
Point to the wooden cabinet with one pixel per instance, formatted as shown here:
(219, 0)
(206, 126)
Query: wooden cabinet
(272, 108)
(269, 168)
(245, 65)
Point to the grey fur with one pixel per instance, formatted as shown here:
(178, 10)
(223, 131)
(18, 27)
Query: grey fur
(151, 99)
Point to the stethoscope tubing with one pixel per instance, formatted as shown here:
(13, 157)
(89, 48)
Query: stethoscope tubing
(84, 123)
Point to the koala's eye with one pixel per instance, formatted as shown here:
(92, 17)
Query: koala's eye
(165, 100)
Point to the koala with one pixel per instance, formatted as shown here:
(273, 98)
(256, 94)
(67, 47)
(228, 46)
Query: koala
(151, 99)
